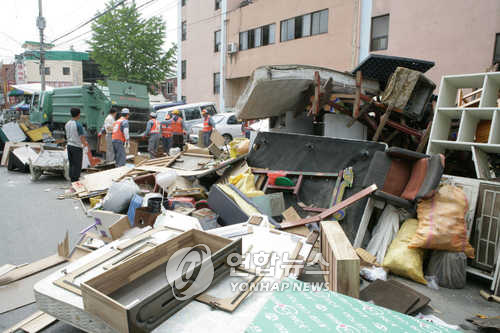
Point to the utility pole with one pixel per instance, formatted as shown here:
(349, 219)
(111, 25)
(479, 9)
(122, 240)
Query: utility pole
(40, 23)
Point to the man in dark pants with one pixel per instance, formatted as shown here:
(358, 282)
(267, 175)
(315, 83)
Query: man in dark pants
(208, 126)
(178, 128)
(121, 138)
(75, 137)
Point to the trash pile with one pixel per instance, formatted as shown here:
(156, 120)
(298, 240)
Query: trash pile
(227, 235)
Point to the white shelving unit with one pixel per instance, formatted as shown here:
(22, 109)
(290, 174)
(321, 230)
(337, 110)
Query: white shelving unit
(447, 112)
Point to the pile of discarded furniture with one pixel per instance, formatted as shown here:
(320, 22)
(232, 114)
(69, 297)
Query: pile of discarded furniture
(287, 206)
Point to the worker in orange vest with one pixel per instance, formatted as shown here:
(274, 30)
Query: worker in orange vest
(245, 129)
(153, 131)
(178, 128)
(121, 138)
(208, 126)
(166, 133)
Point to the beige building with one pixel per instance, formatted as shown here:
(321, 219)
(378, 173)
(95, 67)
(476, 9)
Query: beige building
(215, 60)
(62, 68)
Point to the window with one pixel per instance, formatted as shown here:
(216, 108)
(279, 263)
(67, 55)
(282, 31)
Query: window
(496, 55)
(305, 25)
(47, 71)
(257, 37)
(217, 4)
(65, 70)
(184, 99)
(233, 120)
(217, 43)
(216, 83)
(380, 33)
(183, 2)
(210, 109)
(243, 40)
(170, 87)
(183, 69)
(184, 30)
(192, 113)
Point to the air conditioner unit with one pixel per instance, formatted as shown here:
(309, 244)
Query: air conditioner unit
(232, 48)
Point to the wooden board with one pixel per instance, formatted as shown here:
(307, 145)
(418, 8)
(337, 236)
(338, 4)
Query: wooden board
(343, 262)
(30, 269)
(9, 146)
(217, 139)
(101, 181)
(32, 324)
(481, 164)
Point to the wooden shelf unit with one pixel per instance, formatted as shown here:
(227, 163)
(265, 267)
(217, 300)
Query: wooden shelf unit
(447, 112)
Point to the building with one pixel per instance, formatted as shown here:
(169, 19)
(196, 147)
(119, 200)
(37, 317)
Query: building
(216, 60)
(62, 68)
(7, 79)
(169, 89)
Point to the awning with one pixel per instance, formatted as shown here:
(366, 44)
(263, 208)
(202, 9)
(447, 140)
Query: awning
(16, 92)
(30, 88)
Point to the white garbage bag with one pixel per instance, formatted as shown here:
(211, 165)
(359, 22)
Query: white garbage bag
(384, 232)
(119, 195)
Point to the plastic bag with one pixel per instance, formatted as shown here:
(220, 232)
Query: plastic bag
(373, 273)
(441, 222)
(384, 232)
(449, 268)
(402, 260)
(245, 182)
(119, 195)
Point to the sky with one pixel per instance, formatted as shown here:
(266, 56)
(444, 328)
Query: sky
(18, 22)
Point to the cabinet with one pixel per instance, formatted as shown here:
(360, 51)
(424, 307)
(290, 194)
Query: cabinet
(448, 116)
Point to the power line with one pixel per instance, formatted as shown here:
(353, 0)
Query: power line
(90, 21)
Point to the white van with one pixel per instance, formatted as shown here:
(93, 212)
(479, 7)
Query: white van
(190, 113)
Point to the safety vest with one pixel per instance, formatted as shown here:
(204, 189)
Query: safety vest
(166, 130)
(117, 131)
(206, 125)
(155, 129)
(177, 126)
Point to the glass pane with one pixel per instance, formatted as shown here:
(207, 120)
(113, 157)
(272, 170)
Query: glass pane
(290, 29)
(210, 109)
(306, 25)
(283, 31)
(251, 39)
(298, 27)
(380, 26)
(315, 23)
(323, 21)
(272, 33)
(258, 37)
(244, 40)
(265, 35)
(192, 113)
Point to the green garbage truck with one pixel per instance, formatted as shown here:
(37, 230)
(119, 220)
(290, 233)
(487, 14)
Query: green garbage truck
(94, 102)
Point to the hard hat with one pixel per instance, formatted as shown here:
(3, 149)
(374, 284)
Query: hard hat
(153, 114)
(204, 111)
(176, 112)
(125, 111)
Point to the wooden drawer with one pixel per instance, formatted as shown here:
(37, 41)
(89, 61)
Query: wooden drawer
(135, 296)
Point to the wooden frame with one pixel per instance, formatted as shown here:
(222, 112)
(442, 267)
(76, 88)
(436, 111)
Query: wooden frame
(337, 251)
(135, 278)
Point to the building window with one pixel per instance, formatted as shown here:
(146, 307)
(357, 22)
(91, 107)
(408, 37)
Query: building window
(184, 99)
(184, 30)
(66, 71)
(217, 4)
(305, 25)
(496, 55)
(170, 87)
(380, 33)
(183, 2)
(216, 83)
(183, 69)
(257, 37)
(217, 43)
(47, 71)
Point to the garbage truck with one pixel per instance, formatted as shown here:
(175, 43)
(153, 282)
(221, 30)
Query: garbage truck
(95, 102)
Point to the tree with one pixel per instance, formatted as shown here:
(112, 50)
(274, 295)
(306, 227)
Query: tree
(129, 48)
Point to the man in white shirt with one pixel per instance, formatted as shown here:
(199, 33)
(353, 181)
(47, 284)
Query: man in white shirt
(108, 129)
(75, 136)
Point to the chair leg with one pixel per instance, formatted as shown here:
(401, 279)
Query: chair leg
(425, 138)
(383, 120)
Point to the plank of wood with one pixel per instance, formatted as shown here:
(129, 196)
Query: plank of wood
(330, 211)
(365, 220)
(217, 139)
(383, 121)
(32, 324)
(30, 269)
(343, 262)
(101, 181)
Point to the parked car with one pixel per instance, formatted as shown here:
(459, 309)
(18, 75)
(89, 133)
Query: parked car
(190, 113)
(225, 123)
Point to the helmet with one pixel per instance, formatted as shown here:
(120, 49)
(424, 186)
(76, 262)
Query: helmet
(204, 111)
(176, 112)
(153, 114)
(125, 111)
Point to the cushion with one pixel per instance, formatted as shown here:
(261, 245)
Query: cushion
(397, 177)
(418, 173)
